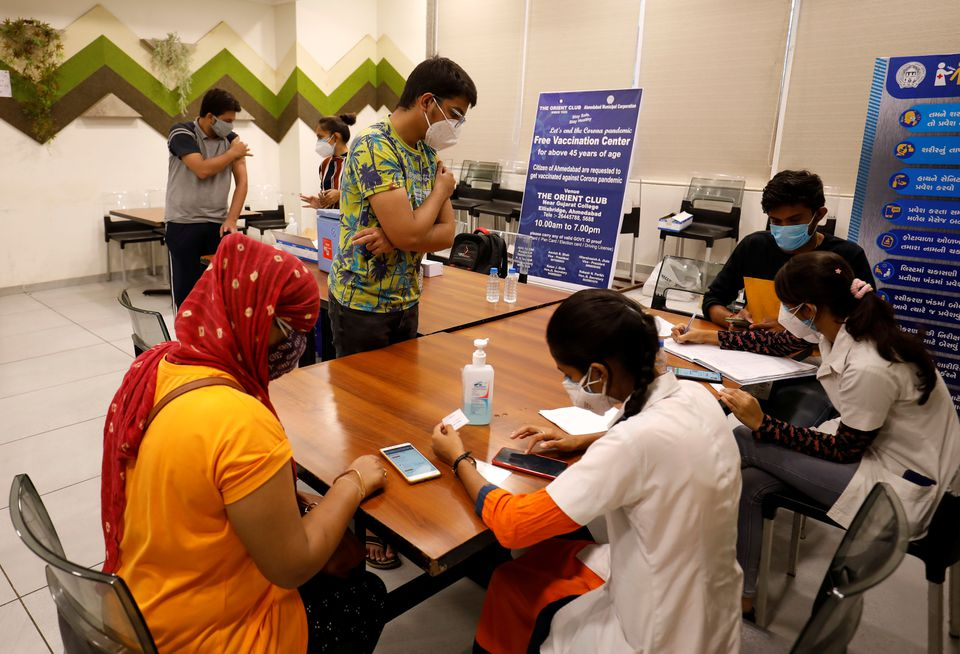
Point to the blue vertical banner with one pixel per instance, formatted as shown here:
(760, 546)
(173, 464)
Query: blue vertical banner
(576, 183)
(906, 209)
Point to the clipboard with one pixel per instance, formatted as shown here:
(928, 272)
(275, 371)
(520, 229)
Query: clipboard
(762, 301)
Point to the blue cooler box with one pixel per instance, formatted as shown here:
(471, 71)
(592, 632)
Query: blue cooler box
(328, 237)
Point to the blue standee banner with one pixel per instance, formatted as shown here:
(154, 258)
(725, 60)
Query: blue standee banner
(906, 209)
(576, 182)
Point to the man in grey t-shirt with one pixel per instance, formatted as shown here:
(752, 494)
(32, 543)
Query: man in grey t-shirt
(203, 154)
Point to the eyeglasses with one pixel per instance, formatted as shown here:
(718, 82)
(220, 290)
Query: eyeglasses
(459, 117)
(284, 327)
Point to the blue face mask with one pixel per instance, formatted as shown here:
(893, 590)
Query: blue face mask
(791, 237)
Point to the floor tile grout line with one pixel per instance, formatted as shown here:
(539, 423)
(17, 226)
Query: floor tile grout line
(81, 326)
(68, 349)
(49, 492)
(72, 381)
(19, 599)
(48, 431)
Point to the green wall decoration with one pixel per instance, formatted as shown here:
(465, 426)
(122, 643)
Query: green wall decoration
(171, 59)
(32, 50)
(102, 67)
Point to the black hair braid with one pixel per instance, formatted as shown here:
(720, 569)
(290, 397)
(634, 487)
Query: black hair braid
(643, 361)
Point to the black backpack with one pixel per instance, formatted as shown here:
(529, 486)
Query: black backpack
(479, 251)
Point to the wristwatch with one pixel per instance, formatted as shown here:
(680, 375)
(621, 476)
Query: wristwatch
(456, 464)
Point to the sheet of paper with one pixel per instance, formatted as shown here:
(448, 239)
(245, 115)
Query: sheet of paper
(762, 301)
(741, 367)
(457, 419)
(664, 327)
(493, 474)
(5, 90)
(717, 387)
(576, 421)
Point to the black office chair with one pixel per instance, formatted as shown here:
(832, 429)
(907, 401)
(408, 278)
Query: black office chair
(149, 328)
(96, 611)
(478, 180)
(267, 220)
(631, 225)
(504, 206)
(125, 232)
(715, 205)
(939, 550)
(871, 549)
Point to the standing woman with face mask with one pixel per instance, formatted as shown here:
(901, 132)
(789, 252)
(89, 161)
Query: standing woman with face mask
(199, 504)
(333, 134)
(897, 421)
(665, 479)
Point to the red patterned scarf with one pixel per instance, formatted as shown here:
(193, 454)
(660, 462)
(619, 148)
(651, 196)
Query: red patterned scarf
(224, 324)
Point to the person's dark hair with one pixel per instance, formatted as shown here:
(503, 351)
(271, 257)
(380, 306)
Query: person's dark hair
(793, 187)
(338, 125)
(597, 325)
(440, 76)
(824, 279)
(218, 102)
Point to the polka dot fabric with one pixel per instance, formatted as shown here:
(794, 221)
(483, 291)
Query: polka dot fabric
(225, 324)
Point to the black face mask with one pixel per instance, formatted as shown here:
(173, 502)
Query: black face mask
(283, 356)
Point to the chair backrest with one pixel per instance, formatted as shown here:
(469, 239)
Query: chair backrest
(871, 549)
(149, 329)
(682, 283)
(97, 612)
(715, 201)
(480, 174)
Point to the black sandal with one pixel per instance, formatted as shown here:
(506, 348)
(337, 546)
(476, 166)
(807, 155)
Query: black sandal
(386, 564)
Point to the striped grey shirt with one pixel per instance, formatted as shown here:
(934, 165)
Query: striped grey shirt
(189, 198)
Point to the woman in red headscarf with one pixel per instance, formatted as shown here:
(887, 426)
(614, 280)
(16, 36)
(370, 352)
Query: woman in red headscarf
(200, 512)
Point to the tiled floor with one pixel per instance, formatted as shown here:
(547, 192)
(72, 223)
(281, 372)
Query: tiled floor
(62, 355)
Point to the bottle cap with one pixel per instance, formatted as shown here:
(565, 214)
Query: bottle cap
(494, 271)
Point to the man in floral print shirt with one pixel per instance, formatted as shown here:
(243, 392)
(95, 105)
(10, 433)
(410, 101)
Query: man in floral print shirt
(394, 207)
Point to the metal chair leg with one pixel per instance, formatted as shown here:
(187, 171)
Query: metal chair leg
(794, 545)
(123, 266)
(633, 260)
(663, 242)
(709, 253)
(954, 576)
(153, 262)
(934, 618)
(803, 527)
(763, 576)
(109, 270)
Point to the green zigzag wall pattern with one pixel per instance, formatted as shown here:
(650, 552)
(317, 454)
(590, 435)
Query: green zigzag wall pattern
(102, 67)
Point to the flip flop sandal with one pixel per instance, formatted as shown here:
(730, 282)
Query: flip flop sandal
(386, 564)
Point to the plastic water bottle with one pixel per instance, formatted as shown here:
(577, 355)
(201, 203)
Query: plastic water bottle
(510, 285)
(292, 227)
(493, 286)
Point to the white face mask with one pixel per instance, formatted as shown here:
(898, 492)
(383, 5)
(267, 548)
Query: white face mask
(324, 148)
(800, 328)
(222, 128)
(443, 133)
(580, 397)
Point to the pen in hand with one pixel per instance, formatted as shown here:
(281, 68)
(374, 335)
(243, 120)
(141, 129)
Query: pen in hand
(690, 323)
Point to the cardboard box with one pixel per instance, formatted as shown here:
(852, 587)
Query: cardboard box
(301, 247)
(431, 268)
(328, 237)
(675, 222)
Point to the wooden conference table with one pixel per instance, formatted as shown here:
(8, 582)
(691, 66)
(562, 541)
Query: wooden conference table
(457, 299)
(153, 216)
(338, 410)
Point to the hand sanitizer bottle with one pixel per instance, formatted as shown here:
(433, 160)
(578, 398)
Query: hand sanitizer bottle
(478, 386)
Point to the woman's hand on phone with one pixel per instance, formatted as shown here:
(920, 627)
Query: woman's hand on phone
(447, 444)
(548, 438)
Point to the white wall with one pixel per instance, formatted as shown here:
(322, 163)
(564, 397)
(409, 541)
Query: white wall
(50, 195)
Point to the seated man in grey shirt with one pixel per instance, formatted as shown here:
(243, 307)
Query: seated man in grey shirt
(203, 154)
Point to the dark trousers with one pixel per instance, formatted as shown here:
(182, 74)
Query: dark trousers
(188, 242)
(356, 331)
(344, 615)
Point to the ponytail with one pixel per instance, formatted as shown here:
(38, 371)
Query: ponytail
(873, 318)
(597, 325)
(824, 279)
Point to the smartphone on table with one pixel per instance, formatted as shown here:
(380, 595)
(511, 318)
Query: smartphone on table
(410, 463)
(698, 375)
(534, 464)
